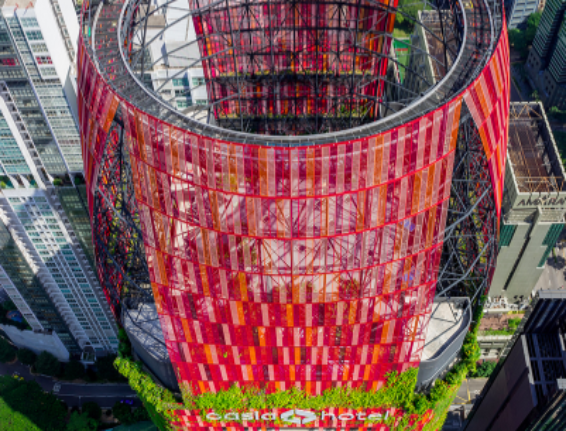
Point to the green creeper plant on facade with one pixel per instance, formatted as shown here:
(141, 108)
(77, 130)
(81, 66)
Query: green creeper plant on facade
(398, 392)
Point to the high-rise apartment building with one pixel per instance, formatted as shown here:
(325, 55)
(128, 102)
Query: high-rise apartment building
(527, 392)
(47, 259)
(546, 63)
(294, 230)
(518, 11)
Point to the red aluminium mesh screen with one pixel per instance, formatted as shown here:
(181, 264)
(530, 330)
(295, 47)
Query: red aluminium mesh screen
(310, 267)
(281, 67)
(283, 266)
(488, 101)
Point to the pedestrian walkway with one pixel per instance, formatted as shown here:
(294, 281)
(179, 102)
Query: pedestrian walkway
(140, 426)
(75, 394)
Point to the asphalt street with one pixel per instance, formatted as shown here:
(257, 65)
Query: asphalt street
(465, 398)
(554, 274)
(75, 394)
(469, 391)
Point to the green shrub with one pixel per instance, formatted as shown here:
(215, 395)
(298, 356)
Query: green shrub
(81, 422)
(74, 370)
(92, 409)
(484, 370)
(26, 356)
(514, 323)
(7, 351)
(140, 414)
(47, 364)
(123, 413)
(57, 182)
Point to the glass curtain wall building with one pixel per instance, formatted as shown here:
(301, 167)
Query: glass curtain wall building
(42, 191)
(295, 230)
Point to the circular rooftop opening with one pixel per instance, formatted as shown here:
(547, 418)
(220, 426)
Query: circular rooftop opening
(290, 68)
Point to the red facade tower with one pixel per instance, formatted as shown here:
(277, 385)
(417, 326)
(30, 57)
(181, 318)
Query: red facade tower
(299, 236)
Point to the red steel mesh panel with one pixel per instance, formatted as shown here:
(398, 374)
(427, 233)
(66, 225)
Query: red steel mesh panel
(488, 101)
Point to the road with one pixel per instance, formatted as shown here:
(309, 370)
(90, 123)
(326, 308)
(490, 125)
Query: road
(106, 395)
(469, 391)
(515, 94)
(554, 274)
(465, 398)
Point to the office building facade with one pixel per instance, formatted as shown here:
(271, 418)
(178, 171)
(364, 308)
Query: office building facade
(546, 63)
(534, 204)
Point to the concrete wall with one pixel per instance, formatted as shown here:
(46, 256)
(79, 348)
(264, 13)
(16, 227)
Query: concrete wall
(506, 259)
(37, 341)
(528, 272)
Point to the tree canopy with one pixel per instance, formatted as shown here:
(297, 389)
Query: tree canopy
(74, 370)
(7, 351)
(92, 409)
(26, 356)
(533, 22)
(47, 364)
(522, 39)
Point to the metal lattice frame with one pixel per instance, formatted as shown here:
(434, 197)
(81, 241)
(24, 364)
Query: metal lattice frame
(122, 265)
(470, 241)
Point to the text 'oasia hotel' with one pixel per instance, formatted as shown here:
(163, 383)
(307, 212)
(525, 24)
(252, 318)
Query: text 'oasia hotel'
(285, 194)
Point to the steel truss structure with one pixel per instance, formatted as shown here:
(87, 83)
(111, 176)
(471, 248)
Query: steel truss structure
(306, 253)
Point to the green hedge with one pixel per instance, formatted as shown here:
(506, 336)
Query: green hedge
(398, 392)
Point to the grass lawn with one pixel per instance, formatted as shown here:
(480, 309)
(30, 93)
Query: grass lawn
(11, 420)
(400, 33)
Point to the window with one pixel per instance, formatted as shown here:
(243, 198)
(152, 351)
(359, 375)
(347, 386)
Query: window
(34, 35)
(9, 62)
(181, 104)
(39, 47)
(198, 81)
(182, 93)
(202, 102)
(48, 71)
(44, 59)
(184, 82)
(29, 22)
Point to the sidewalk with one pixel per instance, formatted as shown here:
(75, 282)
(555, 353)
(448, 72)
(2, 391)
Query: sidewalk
(75, 394)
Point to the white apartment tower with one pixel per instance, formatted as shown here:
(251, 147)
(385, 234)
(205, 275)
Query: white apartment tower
(46, 256)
